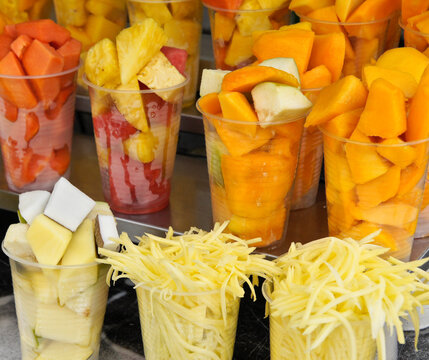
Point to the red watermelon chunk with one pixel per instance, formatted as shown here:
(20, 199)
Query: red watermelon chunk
(44, 30)
(5, 42)
(177, 57)
(20, 44)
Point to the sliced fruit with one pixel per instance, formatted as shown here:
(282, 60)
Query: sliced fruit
(11, 111)
(99, 28)
(401, 155)
(211, 81)
(32, 204)
(15, 241)
(250, 21)
(337, 172)
(64, 351)
(210, 104)
(5, 42)
(81, 249)
(410, 178)
(45, 30)
(20, 44)
(223, 27)
(70, 52)
(344, 8)
(384, 238)
(306, 6)
(239, 50)
(177, 58)
(318, 77)
(31, 126)
(44, 289)
(390, 213)
(60, 159)
(105, 230)
(284, 64)
(141, 146)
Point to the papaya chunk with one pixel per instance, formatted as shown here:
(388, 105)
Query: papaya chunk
(384, 114)
(402, 156)
(345, 95)
(344, 8)
(323, 48)
(32, 126)
(70, 52)
(210, 104)
(53, 111)
(10, 111)
(324, 16)
(390, 213)
(410, 178)
(45, 30)
(318, 77)
(60, 159)
(246, 78)
(306, 6)
(5, 42)
(20, 44)
(337, 172)
(293, 43)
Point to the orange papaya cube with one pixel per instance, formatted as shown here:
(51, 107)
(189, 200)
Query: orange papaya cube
(317, 77)
(380, 189)
(238, 143)
(5, 42)
(345, 95)
(337, 172)
(235, 106)
(293, 43)
(60, 159)
(32, 126)
(344, 8)
(45, 30)
(391, 213)
(411, 177)
(323, 17)
(20, 44)
(10, 111)
(366, 52)
(403, 155)
(402, 80)
(239, 50)
(32, 165)
(405, 59)
(70, 52)
(305, 6)
(364, 161)
(269, 229)
(17, 92)
(418, 112)
(246, 78)
(323, 48)
(384, 113)
(42, 59)
(411, 8)
(384, 238)
(223, 27)
(210, 104)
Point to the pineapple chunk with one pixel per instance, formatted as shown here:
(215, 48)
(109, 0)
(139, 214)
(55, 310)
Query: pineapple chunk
(101, 64)
(239, 50)
(44, 289)
(98, 28)
(130, 105)
(71, 12)
(159, 73)
(141, 147)
(61, 324)
(48, 239)
(183, 34)
(81, 249)
(157, 11)
(16, 242)
(223, 27)
(249, 22)
(103, 8)
(64, 351)
(81, 35)
(136, 45)
(100, 208)
(185, 9)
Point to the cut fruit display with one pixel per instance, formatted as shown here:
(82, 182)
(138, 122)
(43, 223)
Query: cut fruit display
(253, 139)
(60, 291)
(374, 178)
(37, 113)
(136, 115)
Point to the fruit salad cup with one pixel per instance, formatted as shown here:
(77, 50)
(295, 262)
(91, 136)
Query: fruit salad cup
(60, 309)
(181, 21)
(234, 22)
(16, 11)
(136, 165)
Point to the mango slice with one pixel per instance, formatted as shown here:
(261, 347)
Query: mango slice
(399, 155)
(393, 214)
(318, 77)
(344, 8)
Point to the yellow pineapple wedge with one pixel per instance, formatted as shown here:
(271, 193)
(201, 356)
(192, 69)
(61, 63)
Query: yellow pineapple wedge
(183, 34)
(141, 147)
(71, 12)
(250, 22)
(101, 64)
(157, 11)
(159, 73)
(136, 45)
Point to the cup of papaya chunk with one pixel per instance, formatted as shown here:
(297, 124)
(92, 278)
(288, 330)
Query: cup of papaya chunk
(376, 149)
(39, 61)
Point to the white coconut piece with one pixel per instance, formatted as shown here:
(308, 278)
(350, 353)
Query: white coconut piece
(16, 242)
(211, 81)
(105, 230)
(284, 64)
(32, 203)
(68, 205)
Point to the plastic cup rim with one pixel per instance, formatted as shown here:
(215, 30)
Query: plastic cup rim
(348, 141)
(48, 76)
(148, 91)
(176, 293)
(45, 266)
(243, 11)
(345, 23)
(411, 30)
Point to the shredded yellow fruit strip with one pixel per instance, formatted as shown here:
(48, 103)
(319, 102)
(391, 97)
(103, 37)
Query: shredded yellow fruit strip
(188, 288)
(335, 296)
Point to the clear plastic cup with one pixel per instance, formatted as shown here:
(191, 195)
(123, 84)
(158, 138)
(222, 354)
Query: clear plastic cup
(181, 21)
(136, 156)
(17, 11)
(414, 38)
(36, 128)
(182, 326)
(367, 192)
(232, 32)
(365, 41)
(422, 229)
(60, 309)
(251, 171)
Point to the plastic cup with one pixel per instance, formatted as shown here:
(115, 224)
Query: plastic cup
(251, 171)
(365, 41)
(60, 309)
(232, 32)
(36, 128)
(17, 11)
(136, 166)
(182, 325)
(365, 192)
(181, 21)
(414, 38)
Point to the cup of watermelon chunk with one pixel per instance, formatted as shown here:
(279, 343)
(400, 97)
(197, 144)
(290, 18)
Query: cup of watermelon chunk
(39, 61)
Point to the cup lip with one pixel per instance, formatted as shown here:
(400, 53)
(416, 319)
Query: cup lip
(45, 266)
(175, 293)
(405, 27)
(48, 76)
(345, 23)
(244, 11)
(348, 141)
(148, 91)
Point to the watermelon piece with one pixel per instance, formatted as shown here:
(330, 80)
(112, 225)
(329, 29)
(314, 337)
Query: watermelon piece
(31, 126)
(43, 59)
(5, 42)
(20, 44)
(55, 108)
(177, 57)
(11, 111)
(16, 91)
(118, 127)
(44, 30)
(60, 159)
(10, 30)
(70, 52)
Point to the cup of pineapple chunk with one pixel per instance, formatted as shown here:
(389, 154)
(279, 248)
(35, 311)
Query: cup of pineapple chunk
(17, 11)
(181, 21)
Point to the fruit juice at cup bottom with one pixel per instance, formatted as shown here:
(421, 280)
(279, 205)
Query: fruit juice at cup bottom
(365, 193)
(136, 166)
(232, 32)
(16, 11)
(181, 21)
(60, 309)
(36, 136)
